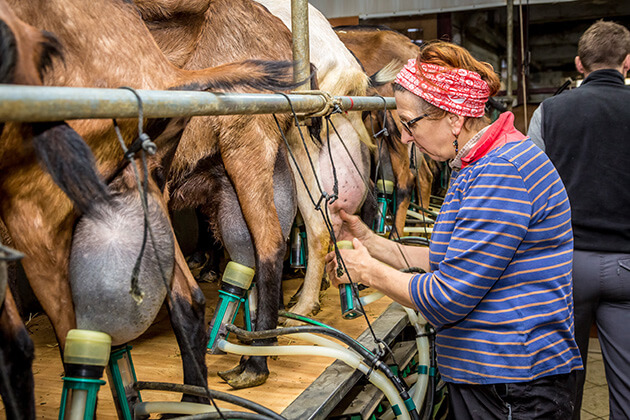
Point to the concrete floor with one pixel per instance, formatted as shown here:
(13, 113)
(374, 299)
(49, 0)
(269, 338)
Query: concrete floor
(595, 401)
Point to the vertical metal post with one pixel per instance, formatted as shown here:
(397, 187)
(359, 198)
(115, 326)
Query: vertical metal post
(301, 58)
(510, 51)
(523, 64)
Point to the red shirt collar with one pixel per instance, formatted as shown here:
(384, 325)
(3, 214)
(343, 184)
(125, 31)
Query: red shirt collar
(502, 131)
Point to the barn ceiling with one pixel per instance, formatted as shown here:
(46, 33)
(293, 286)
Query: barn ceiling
(367, 9)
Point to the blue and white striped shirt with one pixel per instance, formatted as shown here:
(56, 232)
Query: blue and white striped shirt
(500, 290)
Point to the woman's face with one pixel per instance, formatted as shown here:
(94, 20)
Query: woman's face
(433, 137)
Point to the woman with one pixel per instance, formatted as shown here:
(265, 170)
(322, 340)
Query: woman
(498, 282)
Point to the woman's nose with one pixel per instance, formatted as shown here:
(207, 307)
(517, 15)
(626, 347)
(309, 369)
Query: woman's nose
(405, 137)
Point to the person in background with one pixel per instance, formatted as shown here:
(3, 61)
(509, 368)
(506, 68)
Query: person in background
(586, 134)
(498, 282)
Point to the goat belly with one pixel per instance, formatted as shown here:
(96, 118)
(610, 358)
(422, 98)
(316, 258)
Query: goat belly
(106, 247)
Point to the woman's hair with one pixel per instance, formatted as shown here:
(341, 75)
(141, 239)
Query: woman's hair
(604, 45)
(449, 55)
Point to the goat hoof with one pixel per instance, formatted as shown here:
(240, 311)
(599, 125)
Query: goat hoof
(248, 379)
(197, 260)
(311, 310)
(315, 309)
(231, 374)
(208, 277)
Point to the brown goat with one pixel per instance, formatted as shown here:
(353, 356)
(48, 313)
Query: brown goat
(25, 53)
(234, 169)
(106, 44)
(338, 73)
(375, 47)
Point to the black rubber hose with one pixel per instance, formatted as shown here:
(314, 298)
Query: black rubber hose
(371, 358)
(203, 392)
(563, 87)
(226, 415)
(432, 379)
(414, 240)
(417, 270)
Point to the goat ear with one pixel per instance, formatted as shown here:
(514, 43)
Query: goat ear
(386, 74)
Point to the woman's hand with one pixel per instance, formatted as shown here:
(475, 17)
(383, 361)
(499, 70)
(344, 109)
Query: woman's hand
(357, 262)
(352, 227)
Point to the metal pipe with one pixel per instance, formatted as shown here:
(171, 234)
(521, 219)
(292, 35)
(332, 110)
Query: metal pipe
(523, 63)
(299, 28)
(510, 51)
(46, 103)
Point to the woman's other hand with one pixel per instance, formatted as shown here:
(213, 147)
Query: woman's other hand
(357, 262)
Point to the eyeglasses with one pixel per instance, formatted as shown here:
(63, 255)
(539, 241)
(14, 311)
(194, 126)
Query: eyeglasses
(408, 124)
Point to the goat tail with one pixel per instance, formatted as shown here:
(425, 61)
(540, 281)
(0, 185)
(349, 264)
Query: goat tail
(253, 74)
(70, 162)
(8, 52)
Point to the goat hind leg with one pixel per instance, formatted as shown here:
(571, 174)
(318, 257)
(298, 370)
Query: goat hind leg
(265, 197)
(186, 308)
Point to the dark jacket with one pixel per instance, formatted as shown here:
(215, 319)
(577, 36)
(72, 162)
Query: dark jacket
(587, 137)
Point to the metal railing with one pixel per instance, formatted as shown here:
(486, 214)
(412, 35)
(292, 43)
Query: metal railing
(43, 103)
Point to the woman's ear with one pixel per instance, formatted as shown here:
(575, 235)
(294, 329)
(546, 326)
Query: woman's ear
(456, 122)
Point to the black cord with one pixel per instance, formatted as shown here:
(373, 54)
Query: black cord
(151, 148)
(202, 392)
(240, 415)
(332, 163)
(373, 359)
(339, 259)
(381, 346)
(324, 211)
(430, 400)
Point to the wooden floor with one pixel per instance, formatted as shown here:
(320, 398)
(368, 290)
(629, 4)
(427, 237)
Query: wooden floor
(156, 358)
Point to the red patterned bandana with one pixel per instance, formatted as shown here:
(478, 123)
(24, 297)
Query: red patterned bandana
(459, 91)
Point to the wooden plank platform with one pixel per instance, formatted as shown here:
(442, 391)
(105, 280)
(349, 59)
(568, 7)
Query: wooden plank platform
(156, 358)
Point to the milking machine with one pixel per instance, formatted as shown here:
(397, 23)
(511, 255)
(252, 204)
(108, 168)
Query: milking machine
(349, 292)
(121, 375)
(403, 400)
(235, 283)
(384, 199)
(298, 255)
(85, 356)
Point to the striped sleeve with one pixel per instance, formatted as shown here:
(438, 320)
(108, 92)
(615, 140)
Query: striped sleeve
(489, 223)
